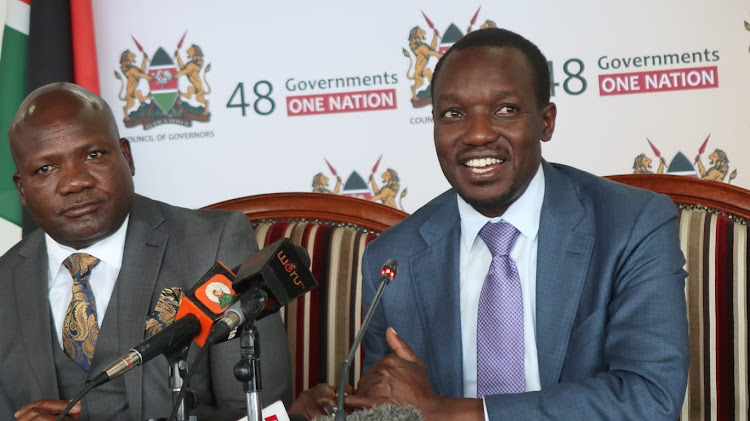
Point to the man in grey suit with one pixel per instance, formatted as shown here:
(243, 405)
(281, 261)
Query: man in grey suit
(74, 176)
(602, 326)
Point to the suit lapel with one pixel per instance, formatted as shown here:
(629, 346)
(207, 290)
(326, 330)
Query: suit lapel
(144, 250)
(30, 282)
(563, 259)
(436, 284)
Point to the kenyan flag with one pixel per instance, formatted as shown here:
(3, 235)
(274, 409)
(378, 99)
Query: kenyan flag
(53, 41)
(13, 58)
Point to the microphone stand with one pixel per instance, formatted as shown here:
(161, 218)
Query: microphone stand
(247, 370)
(178, 368)
(344, 377)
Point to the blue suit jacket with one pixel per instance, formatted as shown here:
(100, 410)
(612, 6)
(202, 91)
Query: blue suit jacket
(611, 320)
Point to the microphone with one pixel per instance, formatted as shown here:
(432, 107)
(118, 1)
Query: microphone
(282, 269)
(274, 277)
(386, 412)
(199, 307)
(387, 273)
(245, 308)
(208, 299)
(174, 335)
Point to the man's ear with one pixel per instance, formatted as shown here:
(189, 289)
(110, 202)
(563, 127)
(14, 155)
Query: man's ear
(549, 114)
(125, 148)
(19, 186)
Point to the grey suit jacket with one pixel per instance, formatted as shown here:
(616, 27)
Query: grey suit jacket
(611, 321)
(166, 246)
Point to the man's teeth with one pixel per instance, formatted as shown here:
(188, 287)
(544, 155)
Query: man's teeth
(479, 165)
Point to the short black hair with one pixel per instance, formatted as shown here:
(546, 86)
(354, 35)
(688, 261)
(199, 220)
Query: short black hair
(497, 37)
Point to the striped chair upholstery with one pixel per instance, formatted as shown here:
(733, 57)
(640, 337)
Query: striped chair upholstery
(713, 236)
(322, 324)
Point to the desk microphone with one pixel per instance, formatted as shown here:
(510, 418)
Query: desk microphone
(274, 277)
(387, 273)
(282, 269)
(199, 308)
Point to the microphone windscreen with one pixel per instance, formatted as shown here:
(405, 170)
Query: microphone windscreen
(382, 413)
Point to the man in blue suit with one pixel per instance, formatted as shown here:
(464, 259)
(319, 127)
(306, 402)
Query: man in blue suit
(604, 326)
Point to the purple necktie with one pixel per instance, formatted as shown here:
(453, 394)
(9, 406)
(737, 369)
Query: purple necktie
(500, 350)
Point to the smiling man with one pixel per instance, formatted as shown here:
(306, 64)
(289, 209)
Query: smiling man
(529, 290)
(105, 265)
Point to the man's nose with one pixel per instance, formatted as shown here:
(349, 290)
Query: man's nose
(479, 130)
(75, 178)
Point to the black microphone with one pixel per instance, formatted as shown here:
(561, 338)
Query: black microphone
(387, 273)
(173, 336)
(245, 308)
(274, 277)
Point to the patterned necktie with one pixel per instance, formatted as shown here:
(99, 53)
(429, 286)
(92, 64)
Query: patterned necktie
(80, 328)
(500, 349)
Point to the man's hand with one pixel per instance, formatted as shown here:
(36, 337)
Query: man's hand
(47, 409)
(401, 379)
(312, 402)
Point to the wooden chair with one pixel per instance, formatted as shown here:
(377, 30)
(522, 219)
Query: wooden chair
(713, 236)
(334, 229)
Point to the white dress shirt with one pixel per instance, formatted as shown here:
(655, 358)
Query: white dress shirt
(475, 259)
(103, 277)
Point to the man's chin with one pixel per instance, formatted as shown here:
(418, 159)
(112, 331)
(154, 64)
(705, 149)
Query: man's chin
(491, 206)
(82, 237)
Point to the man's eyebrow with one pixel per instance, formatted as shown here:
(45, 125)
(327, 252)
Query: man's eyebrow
(88, 146)
(503, 93)
(454, 96)
(451, 96)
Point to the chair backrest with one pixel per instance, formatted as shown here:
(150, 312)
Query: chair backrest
(334, 229)
(713, 236)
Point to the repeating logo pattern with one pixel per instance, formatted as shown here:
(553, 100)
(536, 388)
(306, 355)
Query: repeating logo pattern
(163, 102)
(420, 52)
(682, 165)
(389, 192)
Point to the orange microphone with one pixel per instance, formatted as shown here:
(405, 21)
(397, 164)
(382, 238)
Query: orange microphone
(208, 299)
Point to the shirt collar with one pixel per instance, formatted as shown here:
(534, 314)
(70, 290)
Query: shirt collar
(108, 250)
(523, 214)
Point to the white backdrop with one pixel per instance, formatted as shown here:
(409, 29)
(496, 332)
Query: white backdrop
(289, 47)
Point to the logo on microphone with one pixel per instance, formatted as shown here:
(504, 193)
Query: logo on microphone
(289, 267)
(216, 294)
